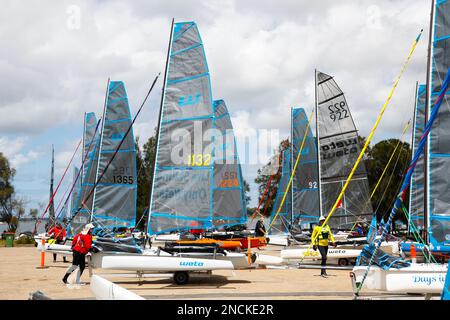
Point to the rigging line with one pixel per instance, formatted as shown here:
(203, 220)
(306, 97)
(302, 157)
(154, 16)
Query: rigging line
(385, 169)
(117, 148)
(387, 186)
(418, 237)
(293, 170)
(54, 193)
(369, 138)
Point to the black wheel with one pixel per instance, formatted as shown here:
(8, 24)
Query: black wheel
(343, 262)
(181, 277)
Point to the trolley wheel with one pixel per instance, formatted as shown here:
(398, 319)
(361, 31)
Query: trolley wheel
(343, 262)
(181, 277)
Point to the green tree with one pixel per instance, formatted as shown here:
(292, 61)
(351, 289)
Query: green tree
(262, 179)
(145, 160)
(376, 161)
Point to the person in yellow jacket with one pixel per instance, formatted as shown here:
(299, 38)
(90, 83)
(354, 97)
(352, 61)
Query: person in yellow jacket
(322, 236)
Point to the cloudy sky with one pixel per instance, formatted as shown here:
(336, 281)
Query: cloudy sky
(56, 57)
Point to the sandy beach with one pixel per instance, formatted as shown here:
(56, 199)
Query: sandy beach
(20, 276)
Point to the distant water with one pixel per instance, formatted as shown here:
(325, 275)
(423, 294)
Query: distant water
(25, 226)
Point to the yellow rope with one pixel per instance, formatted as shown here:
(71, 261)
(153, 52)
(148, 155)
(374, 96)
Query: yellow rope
(293, 171)
(369, 138)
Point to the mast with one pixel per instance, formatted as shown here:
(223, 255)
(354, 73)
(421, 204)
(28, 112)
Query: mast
(412, 151)
(100, 150)
(292, 168)
(52, 206)
(316, 105)
(426, 222)
(152, 182)
(83, 149)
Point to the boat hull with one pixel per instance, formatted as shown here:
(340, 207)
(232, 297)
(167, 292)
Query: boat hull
(417, 278)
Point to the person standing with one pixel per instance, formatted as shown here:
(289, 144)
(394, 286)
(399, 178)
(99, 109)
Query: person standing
(260, 229)
(322, 236)
(81, 245)
(58, 233)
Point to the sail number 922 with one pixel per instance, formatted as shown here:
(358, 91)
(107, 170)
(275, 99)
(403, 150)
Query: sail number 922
(337, 111)
(199, 160)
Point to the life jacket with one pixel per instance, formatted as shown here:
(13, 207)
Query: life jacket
(82, 243)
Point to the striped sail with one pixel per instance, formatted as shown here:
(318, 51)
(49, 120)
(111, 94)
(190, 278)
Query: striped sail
(416, 200)
(305, 183)
(114, 200)
(439, 140)
(228, 190)
(182, 188)
(280, 224)
(339, 149)
(80, 212)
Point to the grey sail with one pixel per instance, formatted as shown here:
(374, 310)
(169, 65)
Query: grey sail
(439, 139)
(416, 200)
(305, 183)
(229, 206)
(90, 123)
(339, 149)
(116, 193)
(81, 212)
(182, 194)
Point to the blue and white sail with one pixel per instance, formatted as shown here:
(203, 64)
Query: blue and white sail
(305, 183)
(281, 223)
(182, 188)
(438, 185)
(115, 196)
(416, 199)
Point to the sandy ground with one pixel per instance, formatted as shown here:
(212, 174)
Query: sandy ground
(19, 276)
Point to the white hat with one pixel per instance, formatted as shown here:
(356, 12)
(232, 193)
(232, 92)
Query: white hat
(86, 228)
(322, 218)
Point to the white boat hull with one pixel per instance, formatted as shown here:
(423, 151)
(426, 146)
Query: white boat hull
(311, 254)
(417, 278)
(106, 290)
(278, 240)
(264, 259)
(60, 249)
(146, 263)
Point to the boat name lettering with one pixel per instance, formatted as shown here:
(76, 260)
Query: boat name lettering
(339, 148)
(191, 264)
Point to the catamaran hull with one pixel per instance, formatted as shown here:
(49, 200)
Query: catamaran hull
(145, 263)
(417, 278)
(311, 254)
(278, 240)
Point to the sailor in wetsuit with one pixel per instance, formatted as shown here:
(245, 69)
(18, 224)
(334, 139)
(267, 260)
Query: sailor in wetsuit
(322, 236)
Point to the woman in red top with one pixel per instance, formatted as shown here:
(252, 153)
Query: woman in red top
(59, 234)
(81, 245)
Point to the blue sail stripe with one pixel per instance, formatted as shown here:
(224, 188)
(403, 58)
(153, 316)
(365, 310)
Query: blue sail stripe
(169, 82)
(186, 49)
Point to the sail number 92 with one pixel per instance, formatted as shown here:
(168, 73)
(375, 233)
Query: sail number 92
(337, 111)
(199, 160)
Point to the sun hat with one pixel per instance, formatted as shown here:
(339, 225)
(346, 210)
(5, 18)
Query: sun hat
(86, 228)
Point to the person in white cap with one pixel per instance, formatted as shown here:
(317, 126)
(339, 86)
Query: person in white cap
(320, 238)
(81, 245)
